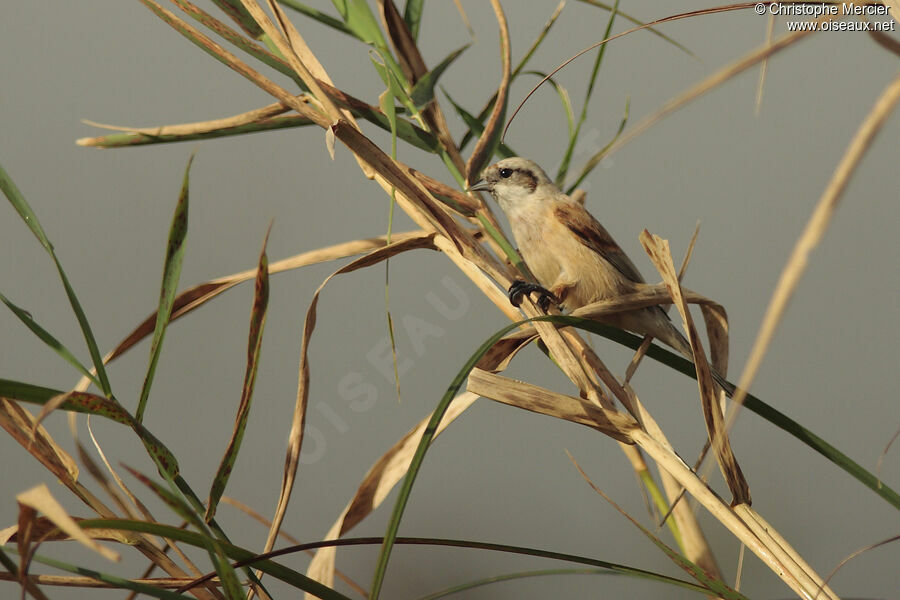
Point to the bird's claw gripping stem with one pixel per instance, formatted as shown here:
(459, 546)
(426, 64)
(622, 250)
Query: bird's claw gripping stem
(519, 288)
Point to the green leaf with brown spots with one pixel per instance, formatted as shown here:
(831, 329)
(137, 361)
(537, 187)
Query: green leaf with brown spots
(92, 404)
(171, 273)
(257, 325)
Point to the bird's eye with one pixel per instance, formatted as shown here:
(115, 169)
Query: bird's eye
(505, 173)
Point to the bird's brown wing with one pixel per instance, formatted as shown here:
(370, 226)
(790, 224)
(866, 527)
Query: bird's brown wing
(593, 235)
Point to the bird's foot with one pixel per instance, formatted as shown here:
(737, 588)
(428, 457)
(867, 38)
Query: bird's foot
(520, 288)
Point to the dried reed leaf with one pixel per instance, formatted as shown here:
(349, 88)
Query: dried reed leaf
(236, 64)
(377, 484)
(411, 195)
(126, 140)
(245, 118)
(501, 354)
(52, 404)
(200, 294)
(658, 250)
(410, 60)
(812, 234)
(894, 7)
(40, 499)
(291, 45)
(666, 458)
(693, 541)
(545, 402)
(262, 119)
(764, 66)
(239, 15)
(295, 438)
(645, 345)
(784, 552)
(20, 424)
(886, 41)
(465, 203)
(491, 136)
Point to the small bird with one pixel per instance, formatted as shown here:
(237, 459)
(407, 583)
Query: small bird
(571, 254)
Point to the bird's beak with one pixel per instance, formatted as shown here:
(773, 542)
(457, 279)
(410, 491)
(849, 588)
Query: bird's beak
(480, 186)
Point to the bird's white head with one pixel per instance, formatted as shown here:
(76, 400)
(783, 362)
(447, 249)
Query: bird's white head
(513, 181)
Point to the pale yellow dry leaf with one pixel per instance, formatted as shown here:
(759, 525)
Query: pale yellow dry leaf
(543, 401)
(39, 498)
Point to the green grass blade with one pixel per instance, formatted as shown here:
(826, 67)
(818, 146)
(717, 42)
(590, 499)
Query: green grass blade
(412, 14)
(15, 197)
(360, 20)
(119, 582)
(254, 344)
(471, 585)
(573, 137)
(640, 23)
(476, 127)
(317, 15)
(228, 576)
(419, 456)
(594, 160)
(86, 331)
(236, 553)
(171, 274)
(46, 337)
(423, 92)
(469, 135)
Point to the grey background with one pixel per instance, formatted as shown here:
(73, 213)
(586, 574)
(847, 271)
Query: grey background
(498, 474)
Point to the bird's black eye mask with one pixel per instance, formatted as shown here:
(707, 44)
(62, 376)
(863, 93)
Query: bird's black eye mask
(522, 176)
